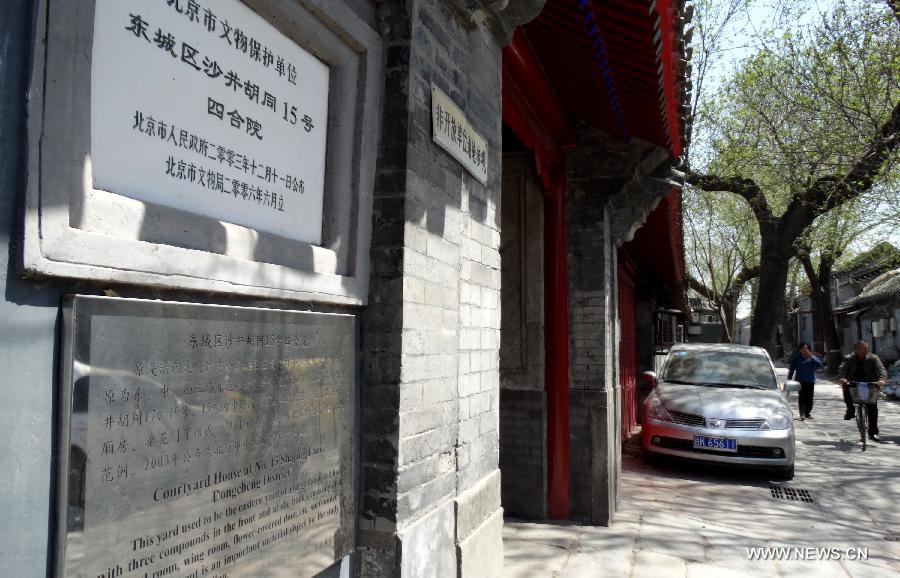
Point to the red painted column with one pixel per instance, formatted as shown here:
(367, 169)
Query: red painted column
(556, 350)
(627, 351)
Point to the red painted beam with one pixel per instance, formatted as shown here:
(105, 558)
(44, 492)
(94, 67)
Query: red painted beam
(522, 65)
(520, 115)
(666, 12)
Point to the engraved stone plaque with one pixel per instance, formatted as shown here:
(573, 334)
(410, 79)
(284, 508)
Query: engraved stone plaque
(205, 440)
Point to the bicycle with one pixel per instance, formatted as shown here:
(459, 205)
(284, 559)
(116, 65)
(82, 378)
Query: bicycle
(862, 393)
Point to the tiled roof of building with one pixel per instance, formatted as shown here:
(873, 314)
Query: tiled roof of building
(883, 288)
(869, 264)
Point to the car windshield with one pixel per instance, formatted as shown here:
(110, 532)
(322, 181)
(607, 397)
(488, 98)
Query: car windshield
(719, 369)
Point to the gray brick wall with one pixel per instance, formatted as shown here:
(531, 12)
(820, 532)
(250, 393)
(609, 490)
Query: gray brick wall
(597, 168)
(523, 415)
(610, 192)
(522, 256)
(431, 333)
(382, 326)
(593, 401)
(523, 452)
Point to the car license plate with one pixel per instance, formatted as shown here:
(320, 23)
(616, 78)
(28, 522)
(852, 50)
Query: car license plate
(711, 443)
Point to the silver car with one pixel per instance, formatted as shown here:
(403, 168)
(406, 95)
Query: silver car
(720, 403)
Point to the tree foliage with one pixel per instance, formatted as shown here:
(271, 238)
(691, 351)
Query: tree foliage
(807, 103)
(722, 250)
(807, 124)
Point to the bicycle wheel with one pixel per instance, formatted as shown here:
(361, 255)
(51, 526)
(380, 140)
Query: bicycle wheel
(861, 424)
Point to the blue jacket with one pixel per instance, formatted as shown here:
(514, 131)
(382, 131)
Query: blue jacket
(803, 369)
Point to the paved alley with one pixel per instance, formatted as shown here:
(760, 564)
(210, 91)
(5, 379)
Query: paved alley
(690, 520)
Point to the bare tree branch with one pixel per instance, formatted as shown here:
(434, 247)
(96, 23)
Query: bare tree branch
(742, 186)
(745, 276)
(702, 289)
(831, 191)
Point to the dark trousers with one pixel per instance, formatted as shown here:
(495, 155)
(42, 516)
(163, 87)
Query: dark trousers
(805, 397)
(872, 408)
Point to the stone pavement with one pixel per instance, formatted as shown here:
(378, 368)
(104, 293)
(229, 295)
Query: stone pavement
(689, 520)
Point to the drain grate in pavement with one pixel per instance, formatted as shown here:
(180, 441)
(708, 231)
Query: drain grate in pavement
(791, 494)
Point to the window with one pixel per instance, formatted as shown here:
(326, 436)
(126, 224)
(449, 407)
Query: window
(720, 367)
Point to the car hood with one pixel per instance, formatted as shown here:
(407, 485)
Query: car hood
(721, 402)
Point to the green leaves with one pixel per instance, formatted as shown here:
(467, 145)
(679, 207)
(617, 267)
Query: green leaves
(810, 119)
(807, 102)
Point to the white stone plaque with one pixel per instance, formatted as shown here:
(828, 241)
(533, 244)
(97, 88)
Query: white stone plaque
(455, 134)
(205, 107)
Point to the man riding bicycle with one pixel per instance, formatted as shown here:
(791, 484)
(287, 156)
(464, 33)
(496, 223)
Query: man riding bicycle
(862, 366)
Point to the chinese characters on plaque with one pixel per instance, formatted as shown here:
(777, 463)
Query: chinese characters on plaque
(207, 440)
(455, 134)
(204, 106)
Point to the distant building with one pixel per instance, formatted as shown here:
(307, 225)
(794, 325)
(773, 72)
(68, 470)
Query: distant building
(847, 283)
(850, 280)
(865, 297)
(742, 331)
(874, 316)
(706, 324)
(804, 326)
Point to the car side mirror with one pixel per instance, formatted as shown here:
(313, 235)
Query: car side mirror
(791, 385)
(649, 377)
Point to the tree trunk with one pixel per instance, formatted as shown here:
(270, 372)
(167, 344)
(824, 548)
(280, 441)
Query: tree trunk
(820, 290)
(768, 312)
(728, 310)
(832, 338)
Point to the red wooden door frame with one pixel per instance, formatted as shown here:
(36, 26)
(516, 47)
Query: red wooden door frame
(532, 111)
(627, 344)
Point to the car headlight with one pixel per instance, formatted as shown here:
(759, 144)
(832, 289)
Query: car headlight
(656, 409)
(779, 419)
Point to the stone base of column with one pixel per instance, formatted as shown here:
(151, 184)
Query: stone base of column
(462, 537)
(594, 455)
(427, 547)
(479, 529)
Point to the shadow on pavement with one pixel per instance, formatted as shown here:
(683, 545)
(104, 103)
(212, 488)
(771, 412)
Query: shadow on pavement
(842, 445)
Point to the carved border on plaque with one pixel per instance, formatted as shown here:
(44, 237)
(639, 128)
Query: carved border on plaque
(73, 230)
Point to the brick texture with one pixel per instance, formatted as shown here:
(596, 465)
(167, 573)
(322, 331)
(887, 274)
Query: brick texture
(523, 422)
(597, 168)
(610, 192)
(523, 452)
(431, 333)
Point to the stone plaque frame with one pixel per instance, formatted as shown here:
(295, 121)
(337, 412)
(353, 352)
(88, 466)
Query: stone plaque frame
(78, 373)
(73, 230)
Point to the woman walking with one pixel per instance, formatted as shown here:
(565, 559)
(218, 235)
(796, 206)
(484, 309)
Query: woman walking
(803, 367)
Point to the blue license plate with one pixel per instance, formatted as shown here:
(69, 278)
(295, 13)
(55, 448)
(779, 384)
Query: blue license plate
(711, 443)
